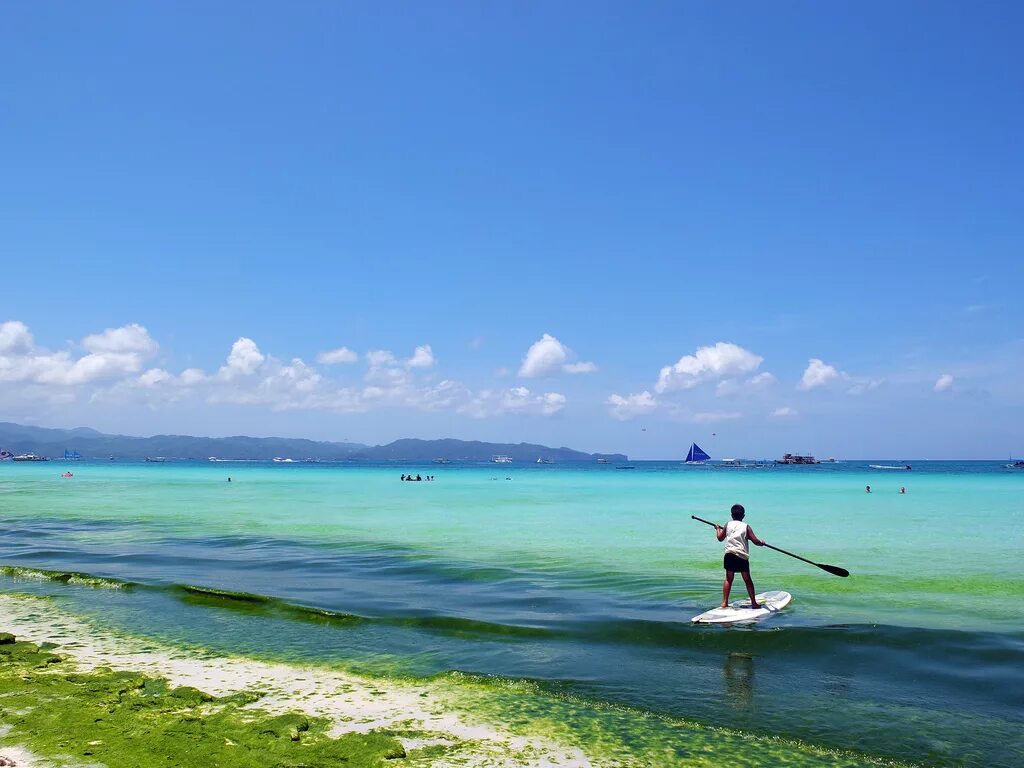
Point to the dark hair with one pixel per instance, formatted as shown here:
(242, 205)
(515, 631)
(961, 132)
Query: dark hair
(738, 511)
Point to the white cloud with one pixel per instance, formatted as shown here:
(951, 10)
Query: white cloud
(243, 360)
(711, 417)
(15, 338)
(423, 357)
(630, 406)
(128, 339)
(818, 373)
(339, 356)
(784, 412)
(378, 357)
(111, 355)
(154, 376)
(543, 358)
(720, 361)
(517, 400)
(551, 403)
(731, 387)
(864, 385)
(944, 383)
(580, 367)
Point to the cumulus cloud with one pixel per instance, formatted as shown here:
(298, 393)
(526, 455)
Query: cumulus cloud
(243, 360)
(548, 356)
(15, 338)
(818, 373)
(517, 400)
(112, 354)
(339, 356)
(944, 383)
(631, 406)
(784, 412)
(543, 358)
(423, 357)
(723, 360)
(377, 357)
(733, 387)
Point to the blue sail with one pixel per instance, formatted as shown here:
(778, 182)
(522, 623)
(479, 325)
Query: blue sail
(696, 454)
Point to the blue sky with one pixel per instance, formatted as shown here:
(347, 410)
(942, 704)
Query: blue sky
(726, 191)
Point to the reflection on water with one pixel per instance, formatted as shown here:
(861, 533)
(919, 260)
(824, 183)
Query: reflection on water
(738, 674)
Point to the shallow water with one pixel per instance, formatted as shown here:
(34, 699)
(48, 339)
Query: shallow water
(582, 578)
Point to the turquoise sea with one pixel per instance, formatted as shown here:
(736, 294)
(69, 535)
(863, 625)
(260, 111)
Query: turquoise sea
(579, 581)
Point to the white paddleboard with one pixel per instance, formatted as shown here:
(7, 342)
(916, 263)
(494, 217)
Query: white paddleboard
(741, 612)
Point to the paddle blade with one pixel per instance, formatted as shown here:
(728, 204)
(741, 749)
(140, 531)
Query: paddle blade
(834, 570)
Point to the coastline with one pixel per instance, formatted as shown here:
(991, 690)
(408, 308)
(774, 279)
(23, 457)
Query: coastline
(255, 708)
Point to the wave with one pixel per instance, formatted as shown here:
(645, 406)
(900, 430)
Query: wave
(64, 577)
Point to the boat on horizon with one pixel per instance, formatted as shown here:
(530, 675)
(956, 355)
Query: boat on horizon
(1018, 464)
(904, 468)
(501, 459)
(603, 461)
(696, 455)
(29, 457)
(797, 458)
(156, 459)
(545, 461)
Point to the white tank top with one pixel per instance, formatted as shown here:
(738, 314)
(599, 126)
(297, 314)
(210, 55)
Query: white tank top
(736, 539)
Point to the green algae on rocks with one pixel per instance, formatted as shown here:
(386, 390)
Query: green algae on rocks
(129, 720)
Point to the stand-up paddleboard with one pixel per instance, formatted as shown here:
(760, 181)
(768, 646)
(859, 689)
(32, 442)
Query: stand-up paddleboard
(741, 612)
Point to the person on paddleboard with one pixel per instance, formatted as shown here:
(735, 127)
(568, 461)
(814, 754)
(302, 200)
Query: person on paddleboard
(736, 534)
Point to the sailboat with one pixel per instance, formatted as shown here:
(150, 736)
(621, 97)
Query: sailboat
(696, 455)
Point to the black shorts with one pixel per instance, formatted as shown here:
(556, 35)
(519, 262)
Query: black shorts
(735, 563)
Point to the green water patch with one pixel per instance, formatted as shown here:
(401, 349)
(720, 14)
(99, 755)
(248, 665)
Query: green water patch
(129, 720)
(76, 578)
(625, 737)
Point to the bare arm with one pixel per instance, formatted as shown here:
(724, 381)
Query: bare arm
(720, 532)
(753, 537)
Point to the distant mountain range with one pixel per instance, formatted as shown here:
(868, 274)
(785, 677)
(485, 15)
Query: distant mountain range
(19, 438)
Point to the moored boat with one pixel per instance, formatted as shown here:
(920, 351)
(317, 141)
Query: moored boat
(29, 457)
(797, 458)
(501, 459)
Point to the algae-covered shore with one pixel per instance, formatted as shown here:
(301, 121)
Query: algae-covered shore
(75, 694)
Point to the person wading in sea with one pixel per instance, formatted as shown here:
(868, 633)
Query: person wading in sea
(736, 534)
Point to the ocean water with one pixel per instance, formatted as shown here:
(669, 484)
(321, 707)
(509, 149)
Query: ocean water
(577, 581)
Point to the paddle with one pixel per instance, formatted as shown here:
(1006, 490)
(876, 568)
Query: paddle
(833, 569)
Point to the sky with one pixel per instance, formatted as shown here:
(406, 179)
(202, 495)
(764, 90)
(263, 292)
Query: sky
(610, 226)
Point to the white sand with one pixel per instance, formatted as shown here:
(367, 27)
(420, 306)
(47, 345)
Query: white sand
(351, 702)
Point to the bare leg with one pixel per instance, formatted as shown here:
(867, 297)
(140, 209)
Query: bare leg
(726, 587)
(750, 589)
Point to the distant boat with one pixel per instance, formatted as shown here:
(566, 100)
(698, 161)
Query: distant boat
(29, 457)
(1019, 464)
(501, 459)
(904, 468)
(696, 455)
(71, 455)
(797, 458)
(545, 461)
(603, 461)
(280, 460)
(156, 459)
(628, 467)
